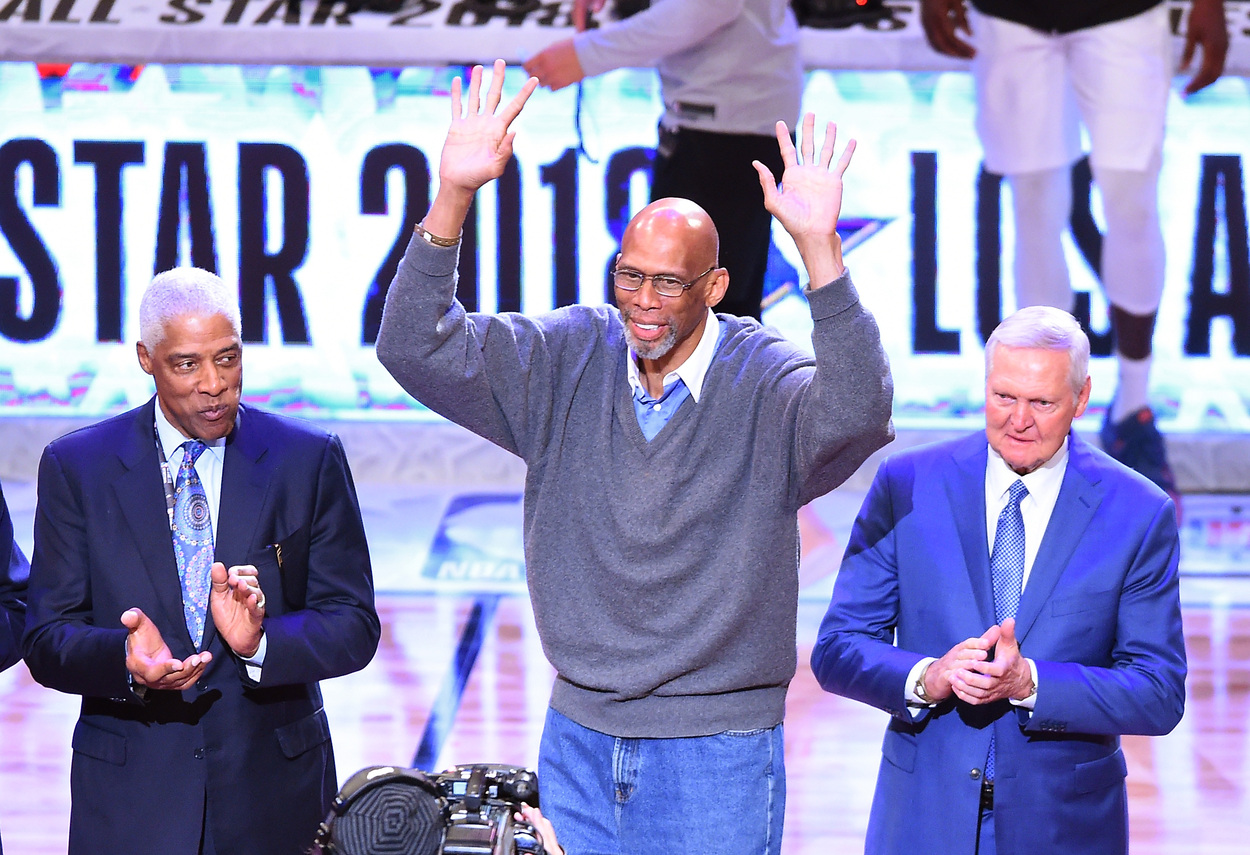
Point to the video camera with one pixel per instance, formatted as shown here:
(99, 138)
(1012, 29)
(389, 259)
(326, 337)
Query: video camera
(388, 810)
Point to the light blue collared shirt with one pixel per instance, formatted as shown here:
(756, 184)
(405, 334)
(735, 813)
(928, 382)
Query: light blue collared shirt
(684, 381)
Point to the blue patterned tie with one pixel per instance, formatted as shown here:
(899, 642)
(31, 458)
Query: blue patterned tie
(1007, 572)
(193, 540)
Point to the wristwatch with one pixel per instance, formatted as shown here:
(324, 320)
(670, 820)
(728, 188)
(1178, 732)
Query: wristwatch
(433, 239)
(918, 689)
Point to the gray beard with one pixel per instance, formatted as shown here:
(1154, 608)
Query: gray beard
(651, 349)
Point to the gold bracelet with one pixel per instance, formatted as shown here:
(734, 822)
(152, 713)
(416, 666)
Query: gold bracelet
(435, 240)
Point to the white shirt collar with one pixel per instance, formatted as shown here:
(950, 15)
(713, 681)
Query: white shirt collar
(171, 438)
(693, 371)
(1044, 481)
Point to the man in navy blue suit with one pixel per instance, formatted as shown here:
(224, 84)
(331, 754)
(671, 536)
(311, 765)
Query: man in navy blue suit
(13, 573)
(1008, 695)
(202, 730)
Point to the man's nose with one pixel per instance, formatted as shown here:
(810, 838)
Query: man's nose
(1021, 415)
(646, 296)
(211, 380)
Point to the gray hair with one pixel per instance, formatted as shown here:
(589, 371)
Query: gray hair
(184, 291)
(1044, 328)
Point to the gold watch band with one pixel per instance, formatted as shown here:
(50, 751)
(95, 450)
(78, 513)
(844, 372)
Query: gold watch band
(436, 240)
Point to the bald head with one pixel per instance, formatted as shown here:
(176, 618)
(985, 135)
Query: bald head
(675, 225)
(676, 240)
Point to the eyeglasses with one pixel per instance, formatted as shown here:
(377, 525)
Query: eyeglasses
(664, 284)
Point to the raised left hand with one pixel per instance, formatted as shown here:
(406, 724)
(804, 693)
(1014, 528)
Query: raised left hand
(810, 196)
(238, 607)
(809, 199)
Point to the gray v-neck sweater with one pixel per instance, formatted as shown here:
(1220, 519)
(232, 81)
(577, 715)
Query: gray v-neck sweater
(663, 574)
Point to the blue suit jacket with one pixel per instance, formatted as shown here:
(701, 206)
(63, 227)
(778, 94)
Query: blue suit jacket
(1100, 615)
(260, 754)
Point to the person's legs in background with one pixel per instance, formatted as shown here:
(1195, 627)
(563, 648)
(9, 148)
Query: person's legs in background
(714, 170)
(1121, 76)
(1028, 118)
(1041, 207)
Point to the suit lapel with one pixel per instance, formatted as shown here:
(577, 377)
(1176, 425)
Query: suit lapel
(141, 497)
(966, 498)
(1079, 498)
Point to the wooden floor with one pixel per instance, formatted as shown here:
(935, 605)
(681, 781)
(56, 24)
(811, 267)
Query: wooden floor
(1189, 791)
(460, 678)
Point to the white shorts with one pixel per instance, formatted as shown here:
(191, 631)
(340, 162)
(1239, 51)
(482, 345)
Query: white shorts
(1033, 90)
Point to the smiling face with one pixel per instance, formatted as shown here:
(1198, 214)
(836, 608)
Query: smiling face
(672, 237)
(198, 369)
(1030, 404)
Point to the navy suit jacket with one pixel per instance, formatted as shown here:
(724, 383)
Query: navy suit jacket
(260, 754)
(1099, 614)
(13, 573)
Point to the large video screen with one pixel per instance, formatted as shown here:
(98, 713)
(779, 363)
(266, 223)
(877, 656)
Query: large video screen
(301, 185)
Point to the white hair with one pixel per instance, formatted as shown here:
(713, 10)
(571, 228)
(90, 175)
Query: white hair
(184, 291)
(1044, 328)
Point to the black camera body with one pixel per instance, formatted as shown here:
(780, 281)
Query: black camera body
(482, 801)
(389, 810)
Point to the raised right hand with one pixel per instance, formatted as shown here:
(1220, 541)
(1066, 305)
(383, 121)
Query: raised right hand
(149, 660)
(479, 142)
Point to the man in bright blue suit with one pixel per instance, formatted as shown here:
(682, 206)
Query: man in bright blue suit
(14, 571)
(1011, 599)
(202, 730)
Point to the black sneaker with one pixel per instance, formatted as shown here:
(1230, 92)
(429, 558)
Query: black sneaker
(1136, 442)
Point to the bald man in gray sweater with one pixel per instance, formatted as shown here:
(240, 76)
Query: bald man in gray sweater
(668, 451)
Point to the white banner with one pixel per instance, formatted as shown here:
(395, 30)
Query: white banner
(427, 32)
(301, 186)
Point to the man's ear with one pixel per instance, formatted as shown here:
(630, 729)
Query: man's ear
(145, 358)
(716, 288)
(1082, 398)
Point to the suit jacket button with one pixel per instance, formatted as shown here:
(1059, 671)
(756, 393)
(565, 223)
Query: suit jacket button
(199, 754)
(975, 774)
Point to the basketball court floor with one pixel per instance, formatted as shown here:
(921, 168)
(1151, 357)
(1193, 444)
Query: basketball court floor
(460, 676)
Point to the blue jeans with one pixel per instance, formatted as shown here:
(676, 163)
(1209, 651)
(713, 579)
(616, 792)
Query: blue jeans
(607, 795)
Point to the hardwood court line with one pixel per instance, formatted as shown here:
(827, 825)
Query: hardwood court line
(447, 703)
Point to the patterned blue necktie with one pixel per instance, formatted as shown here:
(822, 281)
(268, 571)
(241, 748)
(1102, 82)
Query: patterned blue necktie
(1007, 572)
(193, 540)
